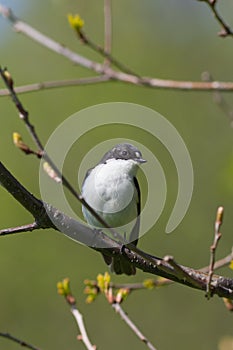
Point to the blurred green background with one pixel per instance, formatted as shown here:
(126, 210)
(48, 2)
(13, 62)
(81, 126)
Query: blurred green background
(173, 40)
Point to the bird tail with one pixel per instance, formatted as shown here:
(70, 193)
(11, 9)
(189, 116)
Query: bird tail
(120, 265)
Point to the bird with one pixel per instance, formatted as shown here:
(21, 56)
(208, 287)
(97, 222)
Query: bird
(112, 190)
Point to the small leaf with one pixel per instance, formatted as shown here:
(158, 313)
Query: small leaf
(63, 287)
(148, 283)
(231, 265)
(103, 281)
(8, 78)
(18, 141)
(122, 295)
(76, 22)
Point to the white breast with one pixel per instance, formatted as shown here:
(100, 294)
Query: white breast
(109, 189)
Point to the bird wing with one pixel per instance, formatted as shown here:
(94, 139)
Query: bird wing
(135, 231)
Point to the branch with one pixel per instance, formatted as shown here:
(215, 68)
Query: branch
(63, 288)
(79, 319)
(97, 48)
(220, 263)
(18, 341)
(226, 30)
(24, 115)
(117, 307)
(25, 198)
(60, 49)
(55, 84)
(146, 284)
(182, 273)
(102, 285)
(46, 216)
(160, 282)
(217, 236)
(219, 99)
(107, 28)
(18, 229)
(42, 212)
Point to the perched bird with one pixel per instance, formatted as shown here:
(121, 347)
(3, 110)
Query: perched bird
(112, 190)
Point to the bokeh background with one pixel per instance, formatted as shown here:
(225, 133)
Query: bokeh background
(173, 40)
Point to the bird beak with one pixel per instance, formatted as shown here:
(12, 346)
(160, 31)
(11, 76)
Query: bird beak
(141, 160)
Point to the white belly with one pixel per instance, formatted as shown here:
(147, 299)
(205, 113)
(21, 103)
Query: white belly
(110, 190)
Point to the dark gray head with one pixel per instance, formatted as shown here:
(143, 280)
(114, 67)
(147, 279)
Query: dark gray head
(124, 151)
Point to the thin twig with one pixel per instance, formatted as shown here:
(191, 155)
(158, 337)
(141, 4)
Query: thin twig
(182, 273)
(99, 49)
(20, 144)
(44, 40)
(103, 285)
(117, 307)
(219, 99)
(18, 229)
(18, 341)
(64, 289)
(24, 115)
(220, 263)
(217, 236)
(226, 30)
(164, 281)
(32, 204)
(77, 24)
(107, 29)
(22, 27)
(142, 285)
(56, 84)
(79, 320)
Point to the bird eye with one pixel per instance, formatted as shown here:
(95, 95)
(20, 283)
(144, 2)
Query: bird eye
(124, 153)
